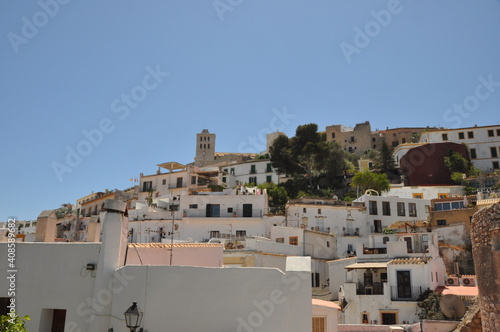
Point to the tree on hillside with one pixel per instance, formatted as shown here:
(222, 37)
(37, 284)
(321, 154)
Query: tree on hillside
(277, 196)
(369, 180)
(307, 155)
(456, 163)
(385, 161)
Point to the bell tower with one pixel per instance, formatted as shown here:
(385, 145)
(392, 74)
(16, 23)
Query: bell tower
(205, 148)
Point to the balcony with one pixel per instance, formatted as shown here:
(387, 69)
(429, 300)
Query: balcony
(237, 213)
(177, 185)
(350, 232)
(374, 251)
(405, 293)
(370, 289)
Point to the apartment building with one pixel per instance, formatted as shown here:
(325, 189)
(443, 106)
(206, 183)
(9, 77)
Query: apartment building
(483, 143)
(89, 286)
(253, 172)
(383, 288)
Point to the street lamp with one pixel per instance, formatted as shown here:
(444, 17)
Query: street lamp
(133, 317)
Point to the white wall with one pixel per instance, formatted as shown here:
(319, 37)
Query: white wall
(240, 173)
(330, 314)
(52, 276)
(217, 299)
(195, 229)
(337, 274)
(259, 204)
(332, 219)
(429, 192)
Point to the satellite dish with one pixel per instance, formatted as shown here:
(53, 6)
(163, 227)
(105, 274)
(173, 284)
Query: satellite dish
(452, 306)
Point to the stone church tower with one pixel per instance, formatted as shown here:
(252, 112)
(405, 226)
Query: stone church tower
(205, 148)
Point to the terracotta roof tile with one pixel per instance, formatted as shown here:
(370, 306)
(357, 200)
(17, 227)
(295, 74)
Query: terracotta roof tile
(176, 245)
(412, 260)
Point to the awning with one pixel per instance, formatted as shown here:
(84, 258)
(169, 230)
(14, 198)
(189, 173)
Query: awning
(172, 165)
(366, 266)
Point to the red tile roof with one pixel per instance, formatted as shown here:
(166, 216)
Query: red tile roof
(327, 304)
(176, 245)
(458, 290)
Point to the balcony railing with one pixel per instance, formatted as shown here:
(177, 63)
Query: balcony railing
(405, 293)
(237, 213)
(351, 232)
(374, 251)
(177, 185)
(370, 289)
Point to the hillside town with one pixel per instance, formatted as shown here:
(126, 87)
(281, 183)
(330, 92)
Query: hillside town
(333, 229)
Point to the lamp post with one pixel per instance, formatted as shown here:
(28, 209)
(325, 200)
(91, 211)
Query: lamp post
(133, 317)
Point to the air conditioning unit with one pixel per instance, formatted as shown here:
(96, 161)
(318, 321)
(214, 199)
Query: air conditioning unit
(316, 229)
(302, 226)
(452, 281)
(469, 281)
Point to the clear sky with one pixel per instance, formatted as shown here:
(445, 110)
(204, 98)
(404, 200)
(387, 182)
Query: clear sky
(93, 93)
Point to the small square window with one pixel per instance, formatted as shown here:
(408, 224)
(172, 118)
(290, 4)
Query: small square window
(498, 132)
(441, 222)
(164, 182)
(495, 165)
(491, 133)
(470, 134)
(304, 210)
(444, 136)
(461, 135)
(319, 211)
(193, 206)
(280, 240)
(229, 210)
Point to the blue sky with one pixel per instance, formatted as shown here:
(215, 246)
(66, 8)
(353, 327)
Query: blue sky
(126, 85)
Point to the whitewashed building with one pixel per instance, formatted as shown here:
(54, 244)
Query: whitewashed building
(483, 143)
(253, 172)
(86, 287)
(384, 288)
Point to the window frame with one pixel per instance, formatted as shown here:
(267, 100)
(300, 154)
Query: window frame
(401, 209)
(412, 209)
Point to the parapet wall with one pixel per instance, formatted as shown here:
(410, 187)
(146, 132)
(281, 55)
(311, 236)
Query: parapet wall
(485, 236)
